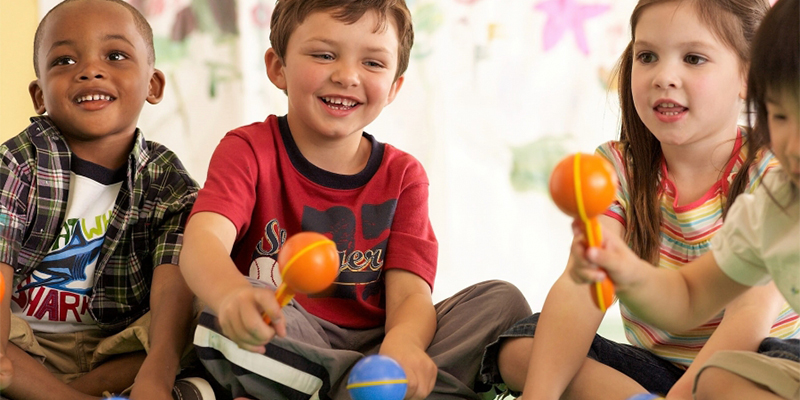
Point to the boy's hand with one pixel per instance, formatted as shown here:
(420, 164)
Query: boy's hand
(240, 317)
(419, 368)
(6, 372)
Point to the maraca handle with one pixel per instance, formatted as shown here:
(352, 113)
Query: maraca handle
(602, 292)
(594, 235)
(283, 295)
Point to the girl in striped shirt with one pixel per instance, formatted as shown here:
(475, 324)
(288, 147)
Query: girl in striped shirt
(759, 243)
(681, 160)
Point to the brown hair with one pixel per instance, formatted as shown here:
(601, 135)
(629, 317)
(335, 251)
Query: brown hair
(734, 22)
(288, 14)
(141, 25)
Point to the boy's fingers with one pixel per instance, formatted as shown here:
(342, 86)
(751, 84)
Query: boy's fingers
(251, 348)
(256, 330)
(415, 390)
(244, 325)
(269, 305)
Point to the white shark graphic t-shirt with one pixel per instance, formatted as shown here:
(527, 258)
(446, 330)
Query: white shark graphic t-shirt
(55, 297)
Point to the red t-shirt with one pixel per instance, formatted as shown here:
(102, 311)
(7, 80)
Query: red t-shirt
(378, 218)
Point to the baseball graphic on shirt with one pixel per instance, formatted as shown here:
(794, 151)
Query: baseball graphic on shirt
(266, 269)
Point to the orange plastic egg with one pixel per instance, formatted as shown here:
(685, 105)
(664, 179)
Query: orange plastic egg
(598, 185)
(309, 262)
(2, 286)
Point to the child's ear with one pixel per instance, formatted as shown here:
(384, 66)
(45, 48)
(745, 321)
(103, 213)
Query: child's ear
(155, 89)
(743, 89)
(275, 66)
(37, 97)
(398, 83)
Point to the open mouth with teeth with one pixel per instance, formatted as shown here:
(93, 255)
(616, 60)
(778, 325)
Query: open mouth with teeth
(669, 109)
(338, 103)
(93, 97)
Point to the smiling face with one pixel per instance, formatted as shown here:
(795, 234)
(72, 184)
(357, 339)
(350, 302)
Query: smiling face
(783, 119)
(338, 76)
(94, 72)
(687, 85)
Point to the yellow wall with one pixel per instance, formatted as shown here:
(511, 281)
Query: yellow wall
(18, 20)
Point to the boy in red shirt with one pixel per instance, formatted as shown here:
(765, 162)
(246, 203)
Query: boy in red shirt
(315, 169)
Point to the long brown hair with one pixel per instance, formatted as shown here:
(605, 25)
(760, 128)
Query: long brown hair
(735, 23)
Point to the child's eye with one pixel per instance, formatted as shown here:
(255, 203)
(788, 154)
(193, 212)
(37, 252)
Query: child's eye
(63, 61)
(777, 116)
(323, 56)
(117, 56)
(646, 58)
(373, 64)
(695, 59)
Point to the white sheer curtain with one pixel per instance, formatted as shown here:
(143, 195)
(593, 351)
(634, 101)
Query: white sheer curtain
(486, 107)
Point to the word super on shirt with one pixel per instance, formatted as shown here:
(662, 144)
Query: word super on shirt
(55, 297)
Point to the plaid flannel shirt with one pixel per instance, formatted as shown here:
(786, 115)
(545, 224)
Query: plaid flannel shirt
(145, 231)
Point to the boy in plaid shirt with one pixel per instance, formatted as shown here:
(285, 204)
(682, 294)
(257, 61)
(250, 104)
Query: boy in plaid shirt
(91, 219)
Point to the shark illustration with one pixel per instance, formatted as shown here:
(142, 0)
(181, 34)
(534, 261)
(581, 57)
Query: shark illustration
(68, 264)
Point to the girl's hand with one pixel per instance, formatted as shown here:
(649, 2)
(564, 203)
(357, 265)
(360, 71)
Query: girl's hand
(581, 270)
(240, 317)
(592, 264)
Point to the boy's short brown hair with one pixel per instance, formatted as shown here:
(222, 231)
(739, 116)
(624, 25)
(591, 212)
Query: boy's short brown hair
(288, 14)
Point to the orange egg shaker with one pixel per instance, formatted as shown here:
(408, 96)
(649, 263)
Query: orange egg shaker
(309, 263)
(583, 186)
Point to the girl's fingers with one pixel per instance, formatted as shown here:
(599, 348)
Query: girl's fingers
(587, 275)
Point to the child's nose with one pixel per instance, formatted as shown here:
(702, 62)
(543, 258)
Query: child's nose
(346, 75)
(665, 77)
(91, 70)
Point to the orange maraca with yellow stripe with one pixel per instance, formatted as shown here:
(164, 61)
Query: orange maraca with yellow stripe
(308, 263)
(583, 186)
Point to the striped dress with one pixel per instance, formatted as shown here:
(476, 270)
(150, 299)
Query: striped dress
(686, 232)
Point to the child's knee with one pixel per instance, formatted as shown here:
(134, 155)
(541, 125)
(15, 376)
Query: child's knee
(508, 300)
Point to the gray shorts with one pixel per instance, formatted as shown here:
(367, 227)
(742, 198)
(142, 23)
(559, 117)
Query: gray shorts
(313, 361)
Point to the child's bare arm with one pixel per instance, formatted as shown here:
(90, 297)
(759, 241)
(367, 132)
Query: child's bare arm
(211, 274)
(672, 300)
(747, 321)
(556, 357)
(171, 305)
(410, 326)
